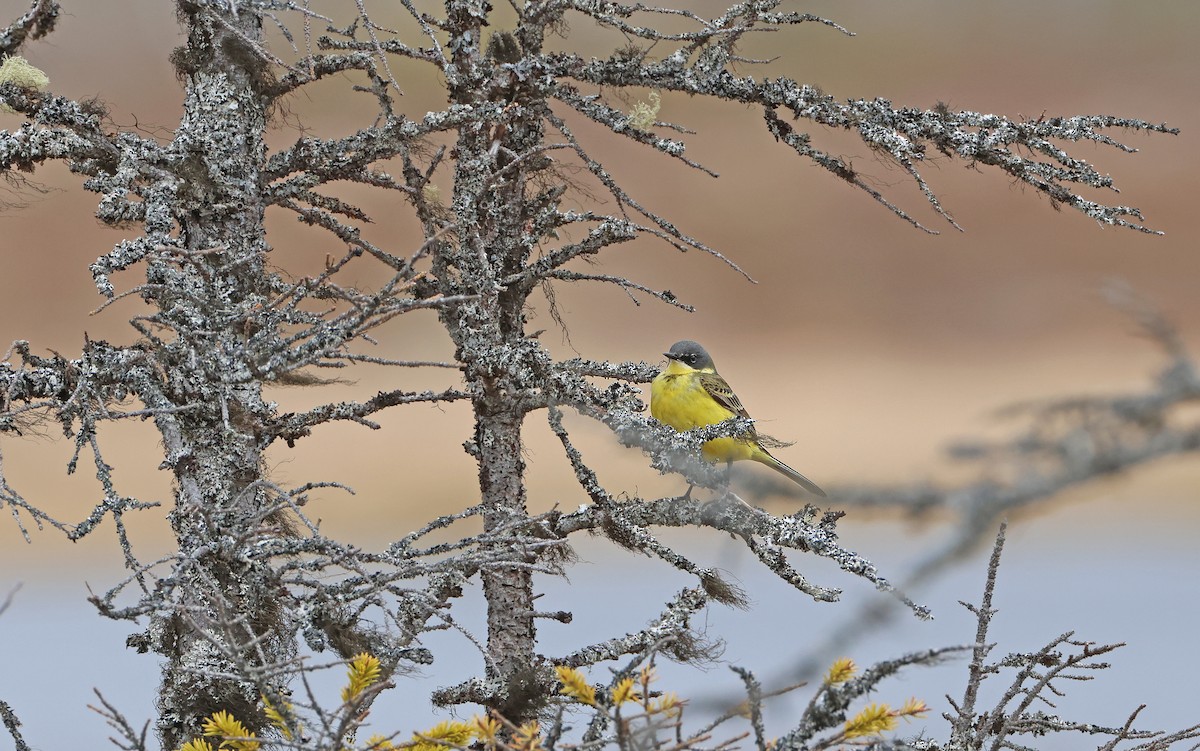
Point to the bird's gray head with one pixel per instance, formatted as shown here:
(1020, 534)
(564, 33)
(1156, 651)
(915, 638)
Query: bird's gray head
(691, 354)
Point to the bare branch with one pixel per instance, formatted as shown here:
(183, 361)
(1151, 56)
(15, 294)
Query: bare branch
(33, 24)
(13, 725)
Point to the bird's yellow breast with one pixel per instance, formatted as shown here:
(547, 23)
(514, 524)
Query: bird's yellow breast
(678, 399)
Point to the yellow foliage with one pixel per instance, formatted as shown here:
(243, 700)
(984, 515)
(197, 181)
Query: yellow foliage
(873, 720)
(362, 674)
(624, 692)
(379, 743)
(196, 744)
(842, 670)
(645, 677)
(668, 703)
(528, 737)
(485, 729)
(913, 708)
(575, 685)
(232, 732)
(276, 717)
(880, 718)
(449, 732)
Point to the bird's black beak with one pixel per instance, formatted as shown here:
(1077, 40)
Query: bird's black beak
(669, 355)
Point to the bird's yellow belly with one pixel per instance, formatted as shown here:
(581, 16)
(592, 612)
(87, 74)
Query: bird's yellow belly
(682, 403)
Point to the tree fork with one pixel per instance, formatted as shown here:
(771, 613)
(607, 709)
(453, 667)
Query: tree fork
(490, 210)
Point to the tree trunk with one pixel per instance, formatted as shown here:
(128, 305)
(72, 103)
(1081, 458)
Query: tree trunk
(490, 212)
(224, 597)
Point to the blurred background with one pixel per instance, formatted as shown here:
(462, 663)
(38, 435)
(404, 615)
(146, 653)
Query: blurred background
(869, 343)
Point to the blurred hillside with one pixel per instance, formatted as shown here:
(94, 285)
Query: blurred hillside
(866, 341)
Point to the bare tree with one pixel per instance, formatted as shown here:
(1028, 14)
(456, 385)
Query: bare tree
(1038, 679)
(253, 581)
(1061, 444)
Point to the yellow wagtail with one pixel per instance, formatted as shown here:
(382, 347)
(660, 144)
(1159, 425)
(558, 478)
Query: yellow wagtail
(690, 393)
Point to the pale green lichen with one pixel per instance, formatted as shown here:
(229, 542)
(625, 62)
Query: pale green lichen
(18, 71)
(643, 115)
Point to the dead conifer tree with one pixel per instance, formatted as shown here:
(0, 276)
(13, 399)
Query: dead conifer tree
(253, 581)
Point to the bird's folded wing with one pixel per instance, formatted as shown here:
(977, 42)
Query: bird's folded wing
(718, 389)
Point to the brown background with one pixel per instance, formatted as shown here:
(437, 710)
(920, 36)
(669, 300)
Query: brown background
(866, 341)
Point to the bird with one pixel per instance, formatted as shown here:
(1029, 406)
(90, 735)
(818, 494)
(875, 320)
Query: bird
(690, 393)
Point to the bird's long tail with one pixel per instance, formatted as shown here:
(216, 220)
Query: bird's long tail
(788, 472)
